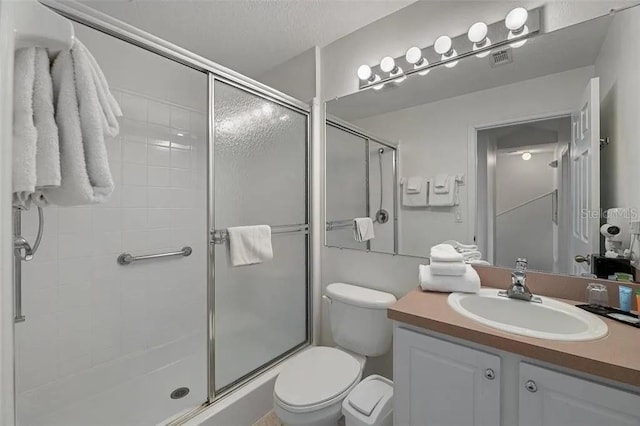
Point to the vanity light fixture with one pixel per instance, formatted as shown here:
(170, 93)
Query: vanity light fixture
(444, 47)
(365, 74)
(414, 57)
(478, 36)
(388, 64)
(526, 156)
(516, 23)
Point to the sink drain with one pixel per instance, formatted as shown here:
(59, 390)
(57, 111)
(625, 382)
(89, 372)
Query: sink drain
(179, 393)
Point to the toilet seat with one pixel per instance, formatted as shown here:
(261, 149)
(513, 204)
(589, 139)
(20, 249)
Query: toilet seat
(316, 379)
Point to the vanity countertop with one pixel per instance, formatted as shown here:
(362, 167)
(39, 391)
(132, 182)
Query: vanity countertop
(614, 357)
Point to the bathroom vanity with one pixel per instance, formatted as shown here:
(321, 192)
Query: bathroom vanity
(451, 370)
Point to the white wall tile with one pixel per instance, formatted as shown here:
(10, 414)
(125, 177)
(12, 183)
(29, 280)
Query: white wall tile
(134, 196)
(159, 113)
(134, 174)
(135, 152)
(134, 107)
(159, 156)
(158, 176)
(180, 158)
(180, 118)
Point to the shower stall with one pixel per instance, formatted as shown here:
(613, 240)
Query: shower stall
(133, 314)
(361, 183)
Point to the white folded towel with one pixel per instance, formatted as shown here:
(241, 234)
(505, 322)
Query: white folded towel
(414, 185)
(250, 244)
(445, 253)
(86, 177)
(478, 262)
(455, 269)
(471, 255)
(441, 184)
(48, 147)
(467, 283)
(363, 229)
(414, 192)
(25, 135)
(461, 247)
(443, 198)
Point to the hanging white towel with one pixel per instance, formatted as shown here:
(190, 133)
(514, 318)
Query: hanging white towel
(455, 269)
(414, 192)
(24, 130)
(363, 229)
(450, 198)
(86, 177)
(445, 253)
(467, 283)
(441, 184)
(48, 148)
(249, 245)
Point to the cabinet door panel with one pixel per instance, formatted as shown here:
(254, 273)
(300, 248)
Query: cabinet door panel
(564, 400)
(438, 383)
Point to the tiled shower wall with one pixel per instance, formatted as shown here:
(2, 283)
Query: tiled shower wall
(93, 325)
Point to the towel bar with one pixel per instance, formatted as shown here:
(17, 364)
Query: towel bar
(340, 224)
(127, 258)
(220, 236)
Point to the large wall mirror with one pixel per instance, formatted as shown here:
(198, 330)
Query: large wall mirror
(529, 151)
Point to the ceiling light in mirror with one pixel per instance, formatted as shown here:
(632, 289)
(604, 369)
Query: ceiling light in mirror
(478, 36)
(414, 57)
(444, 47)
(526, 156)
(515, 22)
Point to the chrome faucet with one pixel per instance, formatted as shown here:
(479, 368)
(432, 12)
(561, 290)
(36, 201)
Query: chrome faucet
(518, 288)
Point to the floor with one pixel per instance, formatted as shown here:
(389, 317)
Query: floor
(270, 419)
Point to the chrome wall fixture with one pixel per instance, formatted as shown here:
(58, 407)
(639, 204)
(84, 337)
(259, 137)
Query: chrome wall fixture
(519, 25)
(128, 259)
(221, 236)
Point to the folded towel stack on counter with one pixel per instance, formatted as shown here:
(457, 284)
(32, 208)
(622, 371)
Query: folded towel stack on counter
(469, 252)
(448, 272)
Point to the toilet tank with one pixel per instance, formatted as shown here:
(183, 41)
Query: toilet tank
(358, 318)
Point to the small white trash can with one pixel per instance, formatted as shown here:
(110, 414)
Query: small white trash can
(370, 403)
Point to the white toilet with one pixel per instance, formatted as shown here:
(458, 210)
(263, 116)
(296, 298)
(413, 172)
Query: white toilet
(311, 386)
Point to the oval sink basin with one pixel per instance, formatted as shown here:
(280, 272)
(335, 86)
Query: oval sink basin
(551, 319)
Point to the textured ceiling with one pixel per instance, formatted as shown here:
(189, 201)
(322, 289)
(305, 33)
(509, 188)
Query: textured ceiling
(249, 36)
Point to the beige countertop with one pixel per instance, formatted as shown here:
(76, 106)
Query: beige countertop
(614, 357)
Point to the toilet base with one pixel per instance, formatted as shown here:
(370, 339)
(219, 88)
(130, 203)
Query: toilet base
(328, 416)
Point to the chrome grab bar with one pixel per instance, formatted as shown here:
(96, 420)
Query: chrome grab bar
(339, 224)
(20, 244)
(220, 236)
(127, 258)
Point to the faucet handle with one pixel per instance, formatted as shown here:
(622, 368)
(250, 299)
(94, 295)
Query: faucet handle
(521, 264)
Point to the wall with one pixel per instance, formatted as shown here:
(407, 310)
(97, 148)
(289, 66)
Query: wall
(617, 65)
(435, 137)
(295, 77)
(422, 22)
(110, 342)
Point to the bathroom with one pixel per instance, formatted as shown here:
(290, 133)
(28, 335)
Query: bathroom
(315, 119)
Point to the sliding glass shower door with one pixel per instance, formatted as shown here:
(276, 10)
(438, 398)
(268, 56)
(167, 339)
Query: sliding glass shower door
(260, 163)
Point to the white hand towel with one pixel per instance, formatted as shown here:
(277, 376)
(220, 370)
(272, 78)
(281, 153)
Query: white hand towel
(250, 244)
(86, 177)
(48, 148)
(445, 253)
(25, 135)
(441, 184)
(110, 108)
(443, 199)
(471, 255)
(461, 248)
(414, 185)
(455, 269)
(467, 283)
(478, 262)
(363, 229)
(415, 197)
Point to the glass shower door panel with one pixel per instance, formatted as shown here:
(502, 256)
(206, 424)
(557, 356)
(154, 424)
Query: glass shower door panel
(346, 182)
(260, 151)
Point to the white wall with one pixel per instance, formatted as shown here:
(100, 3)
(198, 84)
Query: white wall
(422, 22)
(295, 77)
(518, 181)
(434, 139)
(617, 66)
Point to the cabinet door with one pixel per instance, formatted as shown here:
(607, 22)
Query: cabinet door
(437, 383)
(548, 398)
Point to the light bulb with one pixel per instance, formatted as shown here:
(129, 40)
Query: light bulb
(387, 64)
(364, 72)
(414, 56)
(377, 86)
(444, 47)
(516, 24)
(478, 36)
(526, 156)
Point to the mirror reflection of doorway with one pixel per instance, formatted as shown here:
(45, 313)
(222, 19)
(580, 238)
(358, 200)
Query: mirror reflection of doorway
(523, 179)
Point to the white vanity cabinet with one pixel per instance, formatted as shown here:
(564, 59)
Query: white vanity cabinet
(549, 398)
(437, 383)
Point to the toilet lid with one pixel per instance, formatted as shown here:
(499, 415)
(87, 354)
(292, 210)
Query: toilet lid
(316, 376)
